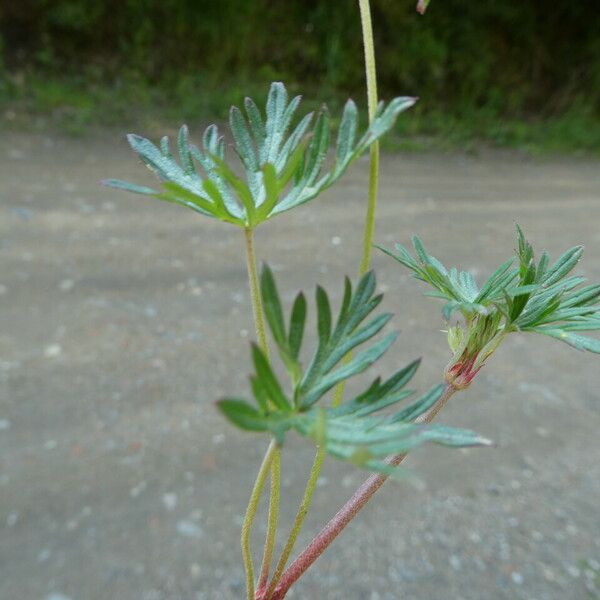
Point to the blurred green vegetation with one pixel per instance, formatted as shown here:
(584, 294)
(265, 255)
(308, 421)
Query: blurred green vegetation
(513, 73)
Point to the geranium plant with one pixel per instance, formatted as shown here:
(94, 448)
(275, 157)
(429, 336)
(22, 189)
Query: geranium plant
(282, 163)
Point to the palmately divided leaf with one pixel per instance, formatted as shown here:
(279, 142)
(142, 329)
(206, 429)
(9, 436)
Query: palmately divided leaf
(358, 430)
(281, 169)
(530, 296)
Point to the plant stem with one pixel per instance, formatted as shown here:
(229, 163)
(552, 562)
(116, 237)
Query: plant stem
(273, 454)
(257, 308)
(271, 520)
(341, 519)
(259, 484)
(299, 520)
(371, 75)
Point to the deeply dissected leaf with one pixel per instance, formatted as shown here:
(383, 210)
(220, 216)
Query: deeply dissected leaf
(530, 296)
(281, 169)
(357, 431)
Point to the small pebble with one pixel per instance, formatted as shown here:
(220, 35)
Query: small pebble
(347, 481)
(455, 562)
(43, 555)
(170, 501)
(475, 537)
(52, 351)
(572, 529)
(573, 571)
(336, 240)
(189, 529)
(517, 578)
(134, 492)
(4, 424)
(195, 570)
(66, 285)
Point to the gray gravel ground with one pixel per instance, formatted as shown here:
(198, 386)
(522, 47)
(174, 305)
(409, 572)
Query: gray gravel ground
(122, 319)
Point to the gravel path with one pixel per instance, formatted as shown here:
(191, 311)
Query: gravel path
(123, 319)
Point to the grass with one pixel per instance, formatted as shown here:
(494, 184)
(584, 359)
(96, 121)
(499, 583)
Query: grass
(75, 105)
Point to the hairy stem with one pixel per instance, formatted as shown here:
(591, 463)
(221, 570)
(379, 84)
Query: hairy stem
(337, 524)
(251, 511)
(273, 455)
(257, 308)
(271, 520)
(371, 75)
(299, 520)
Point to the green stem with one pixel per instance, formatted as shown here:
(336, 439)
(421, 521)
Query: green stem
(272, 457)
(271, 520)
(299, 520)
(251, 511)
(371, 77)
(257, 308)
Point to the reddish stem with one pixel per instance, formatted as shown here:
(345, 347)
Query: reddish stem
(341, 519)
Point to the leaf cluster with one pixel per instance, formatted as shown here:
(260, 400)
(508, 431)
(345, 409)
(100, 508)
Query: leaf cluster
(282, 169)
(357, 430)
(522, 294)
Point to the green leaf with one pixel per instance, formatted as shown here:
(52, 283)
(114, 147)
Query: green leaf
(183, 145)
(267, 379)
(563, 266)
(347, 132)
(323, 316)
(256, 122)
(297, 322)
(355, 431)
(534, 297)
(272, 306)
(243, 140)
(317, 149)
(356, 365)
(334, 345)
(420, 406)
(282, 170)
(241, 189)
(220, 207)
(272, 189)
(129, 187)
(176, 193)
(577, 341)
(243, 415)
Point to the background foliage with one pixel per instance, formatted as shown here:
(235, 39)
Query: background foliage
(517, 60)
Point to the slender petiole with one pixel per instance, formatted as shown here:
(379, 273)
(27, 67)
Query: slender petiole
(257, 308)
(251, 511)
(299, 520)
(272, 458)
(271, 520)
